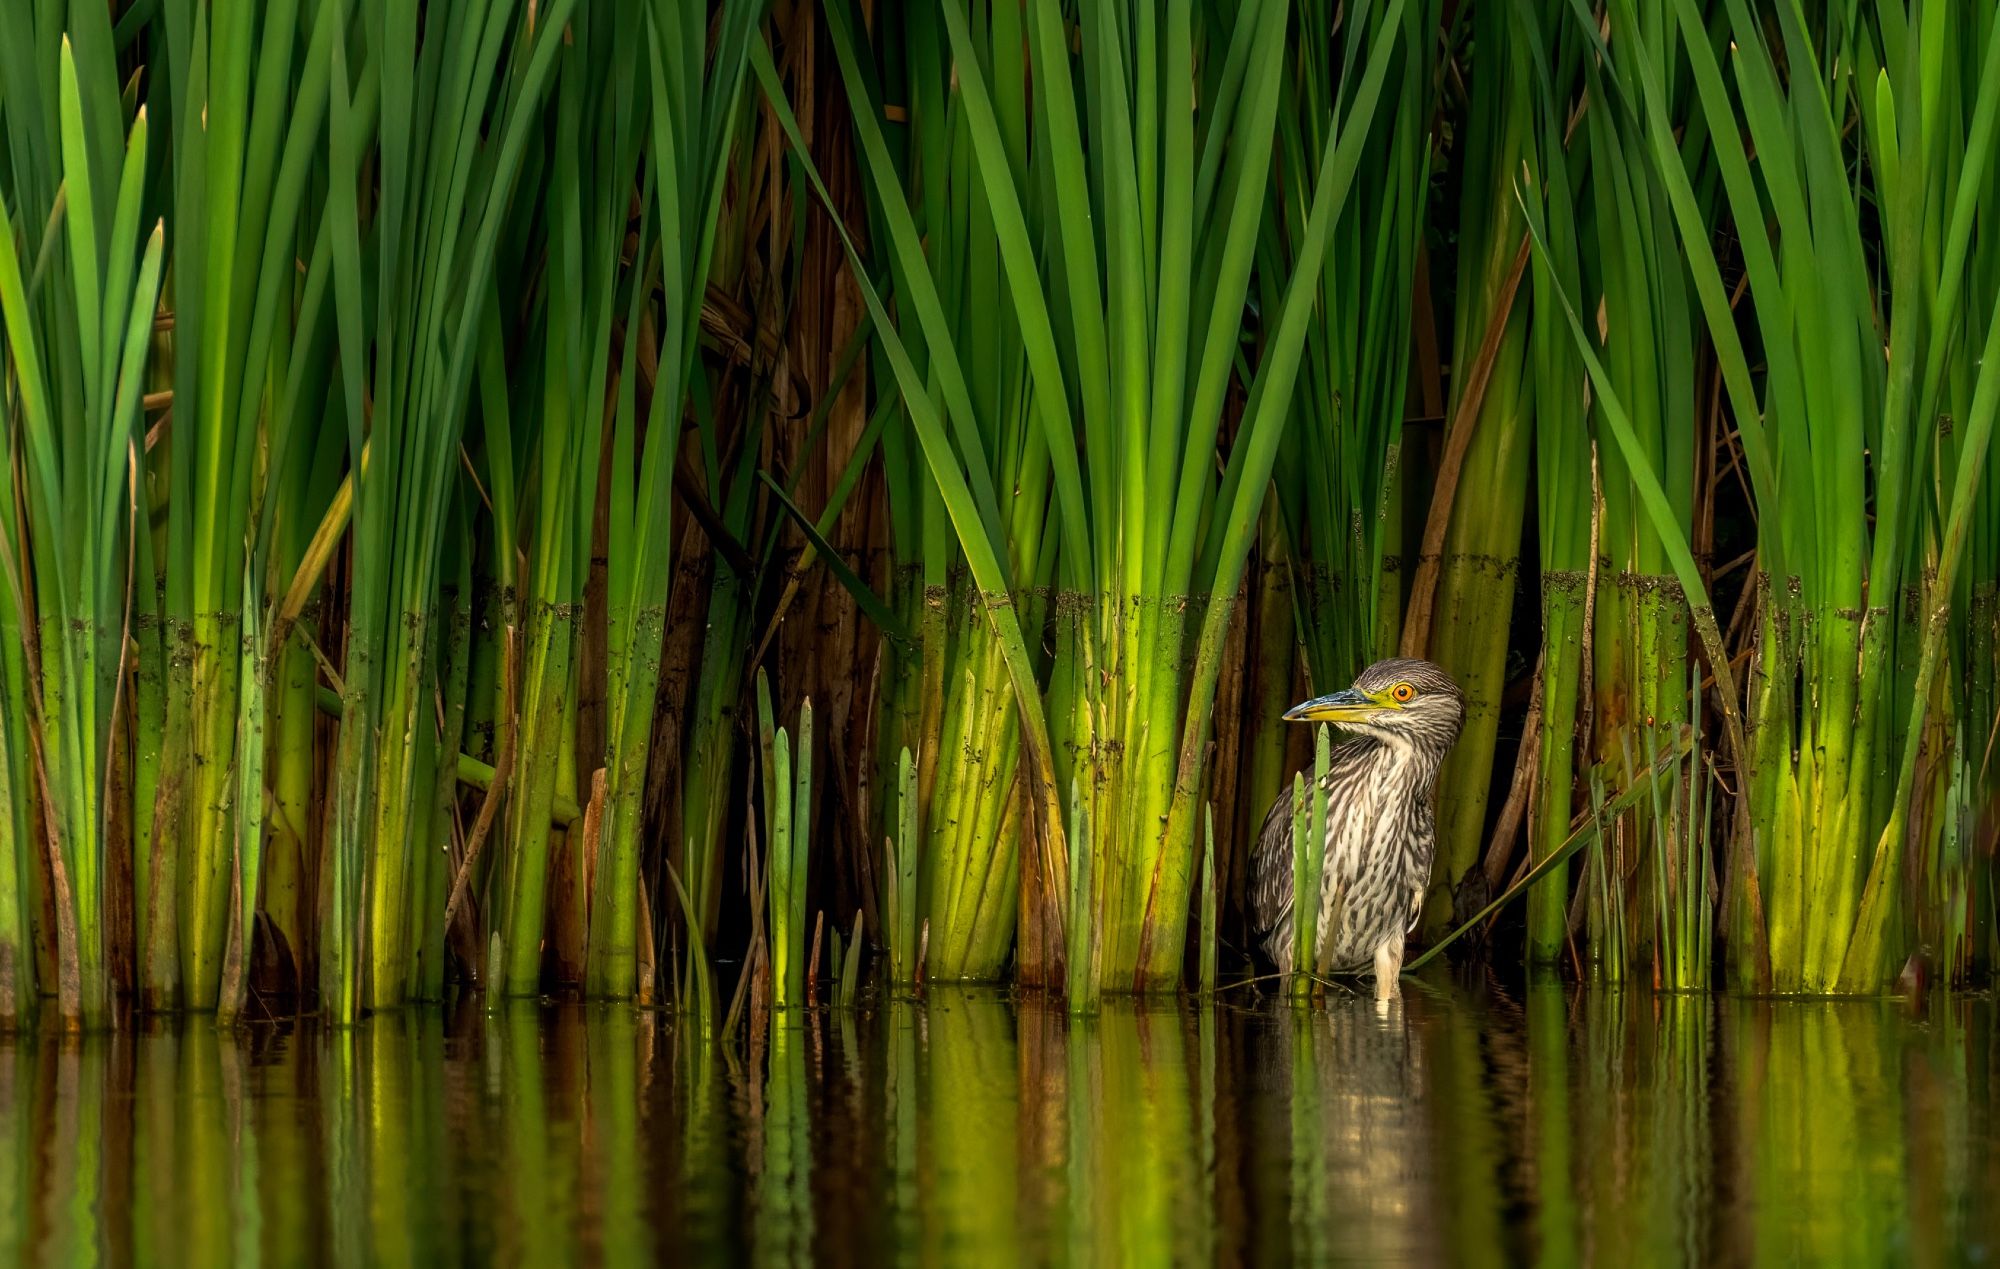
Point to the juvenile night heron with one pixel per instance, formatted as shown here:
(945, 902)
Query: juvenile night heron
(1402, 717)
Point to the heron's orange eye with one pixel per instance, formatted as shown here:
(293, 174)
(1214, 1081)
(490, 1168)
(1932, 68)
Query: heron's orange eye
(1403, 693)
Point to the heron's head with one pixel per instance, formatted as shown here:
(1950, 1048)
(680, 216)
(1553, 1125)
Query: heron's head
(1400, 701)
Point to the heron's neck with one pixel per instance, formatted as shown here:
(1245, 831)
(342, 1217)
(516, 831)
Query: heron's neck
(1406, 763)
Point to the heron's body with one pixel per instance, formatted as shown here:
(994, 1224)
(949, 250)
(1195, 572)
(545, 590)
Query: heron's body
(1380, 829)
(1380, 839)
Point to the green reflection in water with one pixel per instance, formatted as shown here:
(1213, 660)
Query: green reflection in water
(1463, 1125)
(966, 1118)
(1132, 1126)
(780, 1150)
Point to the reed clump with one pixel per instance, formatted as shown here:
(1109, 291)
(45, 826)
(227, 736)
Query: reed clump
(442, 441)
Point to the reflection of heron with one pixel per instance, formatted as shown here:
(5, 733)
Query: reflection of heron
(1357, 1101)
(1403, 716)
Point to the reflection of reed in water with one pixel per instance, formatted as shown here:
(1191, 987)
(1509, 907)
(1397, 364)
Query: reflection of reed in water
(1617, 1134)
(968, 1108)
(781, 1153)
(612, 1188)
(1459, 1127)
(1833, 1122)
(1114, 1151)
(687, 1132)
(1130, 1099)
(530, 1073)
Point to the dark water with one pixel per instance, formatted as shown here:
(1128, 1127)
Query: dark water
(1465, 1125)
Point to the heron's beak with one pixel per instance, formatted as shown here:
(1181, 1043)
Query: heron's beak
(1347, 706)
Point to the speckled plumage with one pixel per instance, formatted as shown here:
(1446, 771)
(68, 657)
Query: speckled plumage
(1380, 832)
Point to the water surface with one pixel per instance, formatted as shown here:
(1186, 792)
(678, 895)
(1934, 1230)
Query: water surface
(1465, 1125)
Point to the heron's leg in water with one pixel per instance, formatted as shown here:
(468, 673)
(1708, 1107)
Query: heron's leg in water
(1388, 969)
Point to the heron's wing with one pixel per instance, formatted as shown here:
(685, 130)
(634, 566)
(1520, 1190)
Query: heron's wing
(1271, 868)
(1271, 861)
(1426, 832)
